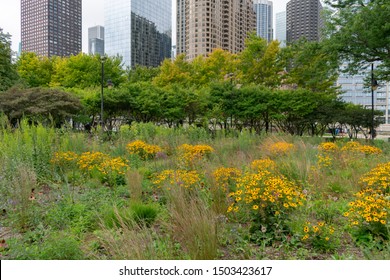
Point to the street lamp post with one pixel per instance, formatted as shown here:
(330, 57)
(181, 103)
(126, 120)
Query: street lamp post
(374, 86)
(102, 60)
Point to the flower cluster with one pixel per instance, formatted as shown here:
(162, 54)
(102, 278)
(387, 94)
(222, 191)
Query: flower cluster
(64, 159)
(327, 151)
(113, 165)
(91, 160)
(358, 148)
(226, 176)
(181, 178)
(263, 164)
(371, 207)
(320, 235)
(189, 154)
(106, 167)
(328, 147)
(280, 148)
(142, 149)
(264, 192)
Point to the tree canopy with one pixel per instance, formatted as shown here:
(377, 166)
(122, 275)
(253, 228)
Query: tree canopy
(38, 104)
(8, 75)
(361, 34)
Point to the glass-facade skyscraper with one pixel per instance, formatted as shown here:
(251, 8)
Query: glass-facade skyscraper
(140, 31)
(96, 40)
(280, 28)
(264, 19)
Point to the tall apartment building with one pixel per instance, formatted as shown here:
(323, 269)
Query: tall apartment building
(96, 40)
(51, 27)
(140, 31)
(204, 25)
(280, 28)
(355, 90)
(304, 20)
(264, 19)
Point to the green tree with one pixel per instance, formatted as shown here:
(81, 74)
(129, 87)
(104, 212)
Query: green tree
(310, 66)
(83, 71)
(261, 62)
(8, 75)
(361, 34)
(33, 70)
(39, 104)
(142, 74)
(178, 71)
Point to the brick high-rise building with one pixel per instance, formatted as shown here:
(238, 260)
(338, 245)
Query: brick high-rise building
(51, 27)
(304, 20)
(204, 25)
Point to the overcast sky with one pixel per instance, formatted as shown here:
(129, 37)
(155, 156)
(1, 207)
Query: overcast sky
(93, 14)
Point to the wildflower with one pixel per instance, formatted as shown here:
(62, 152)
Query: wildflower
(143, 150)
(189, 154)
(280, 148)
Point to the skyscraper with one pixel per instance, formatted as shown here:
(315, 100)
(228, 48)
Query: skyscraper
(304, 20)
(280, 28)
(140, 31)
(264, 19)
(51, 27)
(204, 25)
(96, 40)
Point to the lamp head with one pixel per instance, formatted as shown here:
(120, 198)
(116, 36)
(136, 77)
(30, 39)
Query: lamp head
(374, 84)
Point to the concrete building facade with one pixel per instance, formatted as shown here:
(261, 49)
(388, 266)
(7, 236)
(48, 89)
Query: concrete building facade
(304, 20)
(51, 27)
(204, 25)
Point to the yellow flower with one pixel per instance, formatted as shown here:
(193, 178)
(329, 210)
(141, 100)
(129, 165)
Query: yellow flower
(255, 207)
(306, 229)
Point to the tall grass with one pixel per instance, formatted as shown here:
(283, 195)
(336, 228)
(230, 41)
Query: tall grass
(193, 224)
